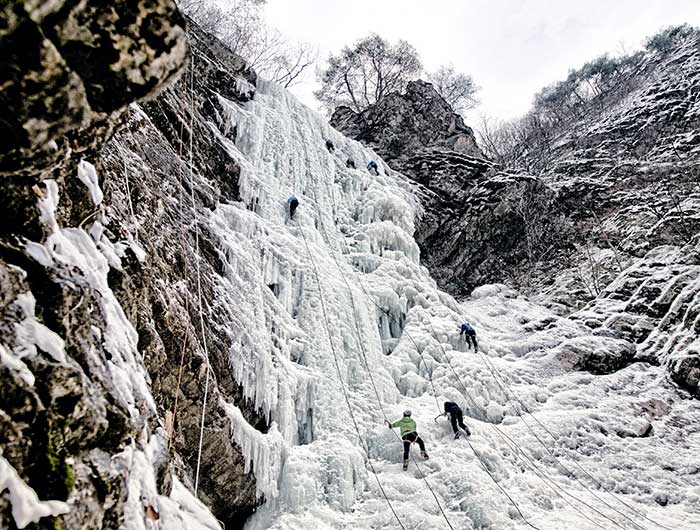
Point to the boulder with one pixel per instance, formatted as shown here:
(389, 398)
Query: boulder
(597, 355)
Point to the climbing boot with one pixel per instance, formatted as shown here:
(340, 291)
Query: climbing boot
(424, 455)
(405, 465)
(457, 436)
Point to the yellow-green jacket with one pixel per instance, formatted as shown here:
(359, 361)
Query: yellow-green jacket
(406, 424)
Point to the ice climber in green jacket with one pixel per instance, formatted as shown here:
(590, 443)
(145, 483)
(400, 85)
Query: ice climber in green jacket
(409, 435)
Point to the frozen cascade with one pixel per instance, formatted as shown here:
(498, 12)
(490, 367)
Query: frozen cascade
(388, 320)
(263, 452)
(311, 466)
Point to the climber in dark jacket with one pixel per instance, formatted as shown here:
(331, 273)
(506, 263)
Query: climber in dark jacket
(456, 418)
(373, 168)
(469, 336)
(407, 426)
(330, 146)
(293, 202)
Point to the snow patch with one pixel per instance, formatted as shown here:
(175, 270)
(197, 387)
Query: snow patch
(494, 289)
(88, 176)
(26, 506)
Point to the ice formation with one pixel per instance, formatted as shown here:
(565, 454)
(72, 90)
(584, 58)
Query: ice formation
(337, 299)
(93, 255)
(335, 326)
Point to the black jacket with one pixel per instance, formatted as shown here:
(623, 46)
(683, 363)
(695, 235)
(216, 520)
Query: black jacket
(452, 407)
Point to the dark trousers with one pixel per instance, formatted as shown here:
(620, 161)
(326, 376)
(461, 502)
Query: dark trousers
(456, 418)
(292, 208)
(471, 336)
(410, 438)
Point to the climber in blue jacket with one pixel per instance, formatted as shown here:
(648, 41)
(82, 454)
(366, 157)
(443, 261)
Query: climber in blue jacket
(469, 336)
(372, 167)
(293, 202)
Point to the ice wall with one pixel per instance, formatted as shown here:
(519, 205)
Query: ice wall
(333, 326)
(349, 253)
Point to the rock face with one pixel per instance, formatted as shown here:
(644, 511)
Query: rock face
(401, 124)
(629, 184)
(620, 193)
(154, 152)
(69, 70)
(100, 346)
(472, 230)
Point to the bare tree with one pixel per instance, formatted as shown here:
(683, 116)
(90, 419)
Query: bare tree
(273, 57)
(287, 69)
(362, 75)
(504, 141)
(494, 139)
(459, 90)
(242, 28)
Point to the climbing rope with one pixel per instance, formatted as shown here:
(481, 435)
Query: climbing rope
(367, 368)
(499, 432)
(502, 383)
(478, 457)
(369, 297)
(340, 378)
(185, 257)
(128, 195)
(199, 283)
(551, 484)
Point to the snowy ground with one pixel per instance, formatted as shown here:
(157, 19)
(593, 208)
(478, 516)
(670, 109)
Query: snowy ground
(590, 468)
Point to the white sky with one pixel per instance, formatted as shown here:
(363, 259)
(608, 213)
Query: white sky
(512, 48)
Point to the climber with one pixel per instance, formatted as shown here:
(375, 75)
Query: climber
(350, 163)
(469, 336)
(330, 146)
(373, 168)
(293, 202)
(408, 435)
(456, 418)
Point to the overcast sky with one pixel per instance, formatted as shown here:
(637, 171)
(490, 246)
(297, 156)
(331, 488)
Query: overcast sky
(512, 48)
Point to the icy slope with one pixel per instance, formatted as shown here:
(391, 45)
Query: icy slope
(348, 268)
